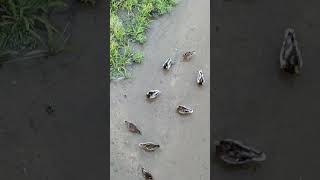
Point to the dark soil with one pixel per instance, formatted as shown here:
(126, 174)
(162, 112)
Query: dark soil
(256, 103)
(53, 116)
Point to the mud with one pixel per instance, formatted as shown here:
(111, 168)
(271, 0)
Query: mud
(256, 103)
(184, 140)
(53, 116)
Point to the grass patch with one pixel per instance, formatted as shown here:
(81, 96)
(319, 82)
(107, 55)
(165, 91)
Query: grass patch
(92, 2)
(129, 20)
(25, 28)
(22, 22)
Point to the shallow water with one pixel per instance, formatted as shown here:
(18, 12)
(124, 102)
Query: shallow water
(253, 101)
(184, 140)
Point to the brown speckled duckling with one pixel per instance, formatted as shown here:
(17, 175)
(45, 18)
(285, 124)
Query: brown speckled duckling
(132, 127)
(188, 55)
(236, 153)
(147, 175)
(167, 64)
(290, 55)
(153, 94)
(149, 146)
(184, 110)
(200, 78)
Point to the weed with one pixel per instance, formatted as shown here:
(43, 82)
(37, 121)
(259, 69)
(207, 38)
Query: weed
(22, 21)
(129, 4)
(57, 41)
(138, 57)
(117, 31)
(92, 2)
(129, 20)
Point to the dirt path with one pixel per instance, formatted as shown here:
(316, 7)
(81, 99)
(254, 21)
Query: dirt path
(185, 142)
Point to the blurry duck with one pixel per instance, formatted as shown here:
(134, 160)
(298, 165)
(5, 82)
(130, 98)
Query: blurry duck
(200, 78)
(132, 127)
(188, 55)
(184, 110)
(153, 94)
(147, 175)
(149, 146)
(290, 55)
(235, 153)
(167, 64)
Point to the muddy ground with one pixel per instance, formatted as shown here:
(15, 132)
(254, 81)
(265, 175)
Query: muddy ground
(256, 103)
(184, 140)
(71, 142)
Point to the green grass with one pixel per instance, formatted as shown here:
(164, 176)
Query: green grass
(92, 2)
(22, 21)
(129, 20)
(25, 28)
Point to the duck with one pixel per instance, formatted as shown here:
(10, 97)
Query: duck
(149, 146)
(132, 127)
(153, 94)
(167, 64)
(188, 55)
(184, 110)
(235, 152)
(200, 78)
(146, 174)
(290, 55)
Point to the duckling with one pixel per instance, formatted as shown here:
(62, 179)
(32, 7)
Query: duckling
(200, 78)
(235, 153)
(149, 146)
(153, 94)
(290, 55)
(132, 127)
(184, 110)
(147, 175)
(188, 55)
(167, 64)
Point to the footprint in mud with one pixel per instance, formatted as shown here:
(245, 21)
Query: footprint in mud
(49, 109)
